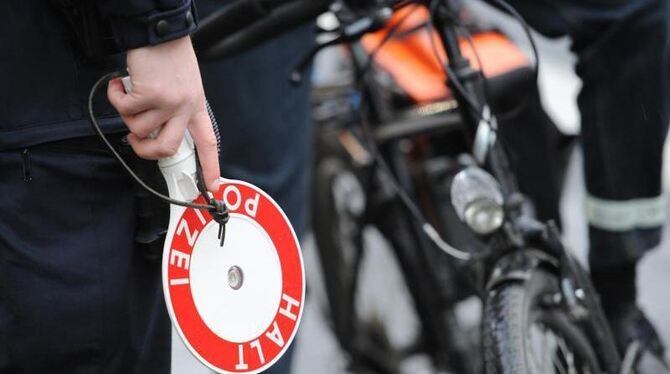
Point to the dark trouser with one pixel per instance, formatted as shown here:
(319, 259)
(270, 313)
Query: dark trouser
(622, 51)
(265, 123)
(75, 296)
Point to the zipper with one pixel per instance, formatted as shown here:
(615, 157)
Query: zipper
(27, 173)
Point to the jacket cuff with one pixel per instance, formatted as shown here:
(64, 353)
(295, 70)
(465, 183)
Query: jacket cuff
(155, 27)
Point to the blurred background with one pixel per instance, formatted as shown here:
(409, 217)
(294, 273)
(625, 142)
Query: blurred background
(383, 295)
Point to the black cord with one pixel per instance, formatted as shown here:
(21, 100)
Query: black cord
(96, 127)
(506, 114)
(399, 4)
(428, 229)
(526, 28)
(405, 199)
(387, 37)
(457, 84)
(448, 71)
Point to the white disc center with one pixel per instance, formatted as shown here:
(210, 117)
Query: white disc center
(237, 314)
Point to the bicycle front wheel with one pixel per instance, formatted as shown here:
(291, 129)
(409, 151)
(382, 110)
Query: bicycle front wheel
(523, 333)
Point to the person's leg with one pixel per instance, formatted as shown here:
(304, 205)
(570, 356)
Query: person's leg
(625, 108)
(622, 60)
(68, 266)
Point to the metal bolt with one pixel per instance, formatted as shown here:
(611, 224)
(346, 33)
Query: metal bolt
(235, 277)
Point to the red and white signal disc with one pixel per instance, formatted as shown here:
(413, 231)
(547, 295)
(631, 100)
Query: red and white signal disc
(236, 307)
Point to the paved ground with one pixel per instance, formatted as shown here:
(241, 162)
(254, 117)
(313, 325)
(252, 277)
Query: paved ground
(384, 293)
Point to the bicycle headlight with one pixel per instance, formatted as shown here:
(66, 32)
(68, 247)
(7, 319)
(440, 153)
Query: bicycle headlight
(477, 200)
(484, 216)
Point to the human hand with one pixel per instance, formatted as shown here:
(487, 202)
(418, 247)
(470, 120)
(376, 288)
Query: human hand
(167, 95)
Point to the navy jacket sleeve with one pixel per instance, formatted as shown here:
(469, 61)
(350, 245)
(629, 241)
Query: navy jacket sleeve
(138, 23)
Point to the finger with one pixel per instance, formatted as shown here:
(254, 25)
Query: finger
(165, 145)
(125, 103)
(145, 123)
(205, 142)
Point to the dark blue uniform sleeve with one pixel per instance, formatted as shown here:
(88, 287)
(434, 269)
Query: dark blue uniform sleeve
(138, 23)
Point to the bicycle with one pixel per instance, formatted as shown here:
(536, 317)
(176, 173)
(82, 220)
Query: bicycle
(533, 290)
(343, 181)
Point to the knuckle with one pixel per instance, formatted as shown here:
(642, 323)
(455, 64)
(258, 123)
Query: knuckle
(193, 101)
(160, 153)
(151, 91)
(142, 133)
(173, 99)
(131, 123)
(157, 94)
(210, 142)
(121, 107)
(141, 152)
(168, 148)
(137, 128)
(163, 153)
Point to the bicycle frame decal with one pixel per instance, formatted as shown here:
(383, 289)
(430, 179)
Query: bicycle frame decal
(236, 307)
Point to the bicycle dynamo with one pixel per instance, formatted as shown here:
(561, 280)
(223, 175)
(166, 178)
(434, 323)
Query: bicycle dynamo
(233, 275)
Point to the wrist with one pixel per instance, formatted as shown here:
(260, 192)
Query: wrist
(180, 44)
(154, 28)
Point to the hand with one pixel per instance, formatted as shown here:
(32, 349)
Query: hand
(167, 95)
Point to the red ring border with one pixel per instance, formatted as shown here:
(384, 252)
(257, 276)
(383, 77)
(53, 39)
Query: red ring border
(220, 354)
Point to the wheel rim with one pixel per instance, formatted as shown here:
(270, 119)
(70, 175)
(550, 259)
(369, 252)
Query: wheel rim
(349, 203)
(549, 352)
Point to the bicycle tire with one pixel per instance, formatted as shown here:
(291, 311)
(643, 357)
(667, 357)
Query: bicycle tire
(511, 309)
(338, 273)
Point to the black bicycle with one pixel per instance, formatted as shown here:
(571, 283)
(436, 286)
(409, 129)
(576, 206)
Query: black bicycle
(437, 181)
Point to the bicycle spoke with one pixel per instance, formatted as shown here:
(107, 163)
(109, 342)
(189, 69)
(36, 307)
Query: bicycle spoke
(546, 355)
(537, 365)
(553, 352)
(568, 355)
(558, 365)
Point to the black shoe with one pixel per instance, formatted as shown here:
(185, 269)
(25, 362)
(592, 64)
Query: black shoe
(636, 337)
